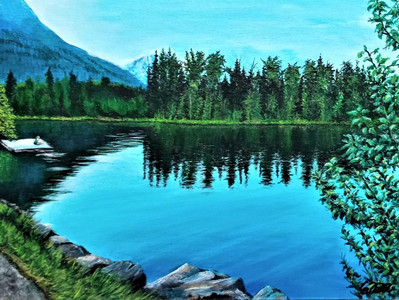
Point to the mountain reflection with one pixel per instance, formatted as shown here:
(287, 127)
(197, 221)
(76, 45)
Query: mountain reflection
(194, 154)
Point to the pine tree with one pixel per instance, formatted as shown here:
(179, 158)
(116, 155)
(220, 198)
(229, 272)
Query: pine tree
(213, 94)
(51, 101)
(271, 88)
(311, 104)
(238, 88)
(292, 78)
(153, 89)
(11, 85)
(74, 95)
(194, 66)
(28, 96)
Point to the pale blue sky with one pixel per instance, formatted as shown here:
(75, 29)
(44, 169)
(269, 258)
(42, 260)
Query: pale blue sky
(122, 30)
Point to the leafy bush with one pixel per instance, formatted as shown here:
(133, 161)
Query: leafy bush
(362, 187)
(7, 126)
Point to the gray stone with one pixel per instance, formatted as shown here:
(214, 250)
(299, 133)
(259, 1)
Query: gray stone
(68, 248)
(72, 250)
(190, 282)
(93, 262)
(129, 272)
(58, 240)
(13, 206)
(45, 230)
(14, 286)
(269, 292)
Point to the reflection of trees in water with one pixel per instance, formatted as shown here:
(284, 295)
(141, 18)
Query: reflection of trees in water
(194, 154)
(190, 154)
(8, 167)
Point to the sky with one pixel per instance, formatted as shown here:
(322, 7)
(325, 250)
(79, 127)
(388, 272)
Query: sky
(121, 31)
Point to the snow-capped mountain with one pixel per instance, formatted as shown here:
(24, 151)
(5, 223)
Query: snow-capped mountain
(29, 48)
(139, 68)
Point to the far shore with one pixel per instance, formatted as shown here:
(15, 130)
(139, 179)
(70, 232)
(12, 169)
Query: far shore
(181, 122)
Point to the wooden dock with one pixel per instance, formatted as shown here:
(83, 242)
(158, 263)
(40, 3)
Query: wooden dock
(25, 145)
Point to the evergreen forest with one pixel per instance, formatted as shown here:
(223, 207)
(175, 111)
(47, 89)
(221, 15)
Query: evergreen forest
(202, 87)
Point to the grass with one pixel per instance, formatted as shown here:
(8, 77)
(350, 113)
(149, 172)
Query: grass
(182, 122)
(57, 276)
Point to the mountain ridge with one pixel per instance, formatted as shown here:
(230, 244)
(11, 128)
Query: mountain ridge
(29, 48)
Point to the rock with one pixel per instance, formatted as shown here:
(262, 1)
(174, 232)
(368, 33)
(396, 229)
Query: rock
(190, 282)
(129, 272)
(58, 240)
(72, 250)
(93, 262)
(45, 230)
(12, 205)
(14, 286)
(68, 248)
(269, 292)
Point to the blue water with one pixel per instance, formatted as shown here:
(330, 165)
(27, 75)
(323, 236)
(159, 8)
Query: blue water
(275, 234)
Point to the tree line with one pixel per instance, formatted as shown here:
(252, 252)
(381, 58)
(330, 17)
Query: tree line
(70, 97)
(202, 87)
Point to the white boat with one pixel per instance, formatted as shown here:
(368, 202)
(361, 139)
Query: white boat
(25, 145)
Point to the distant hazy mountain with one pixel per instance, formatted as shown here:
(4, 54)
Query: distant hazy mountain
(139, 68)
(28, 48)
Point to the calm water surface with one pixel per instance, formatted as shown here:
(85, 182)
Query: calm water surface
(236, 199)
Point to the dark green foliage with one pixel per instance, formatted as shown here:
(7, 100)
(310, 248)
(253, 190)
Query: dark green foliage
(70, 97)
(50, 99)
(292, 95)
(203, 88)
(362, 187)
(11, 84)
(272, 88)
(74, 95)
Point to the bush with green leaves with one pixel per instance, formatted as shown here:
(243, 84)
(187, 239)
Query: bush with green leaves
(362, 186)
(7, 126)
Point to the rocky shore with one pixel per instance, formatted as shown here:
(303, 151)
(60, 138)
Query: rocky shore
(186, 282)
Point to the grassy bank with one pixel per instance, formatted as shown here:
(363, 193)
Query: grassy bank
(183, 122)
(57, 276)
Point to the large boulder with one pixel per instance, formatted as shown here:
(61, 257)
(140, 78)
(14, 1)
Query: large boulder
(190, 282)
(129, 272)
(68, 248)
(14, 286)
(93, 262)
(45, 230)
(269, 292)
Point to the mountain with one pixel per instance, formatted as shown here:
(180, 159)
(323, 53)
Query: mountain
(29, 48)
(139, 68)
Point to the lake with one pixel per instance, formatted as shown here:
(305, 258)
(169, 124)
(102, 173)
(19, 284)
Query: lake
(238, 199)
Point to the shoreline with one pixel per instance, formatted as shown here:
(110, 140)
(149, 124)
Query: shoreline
(151, 121)
(185, 282)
